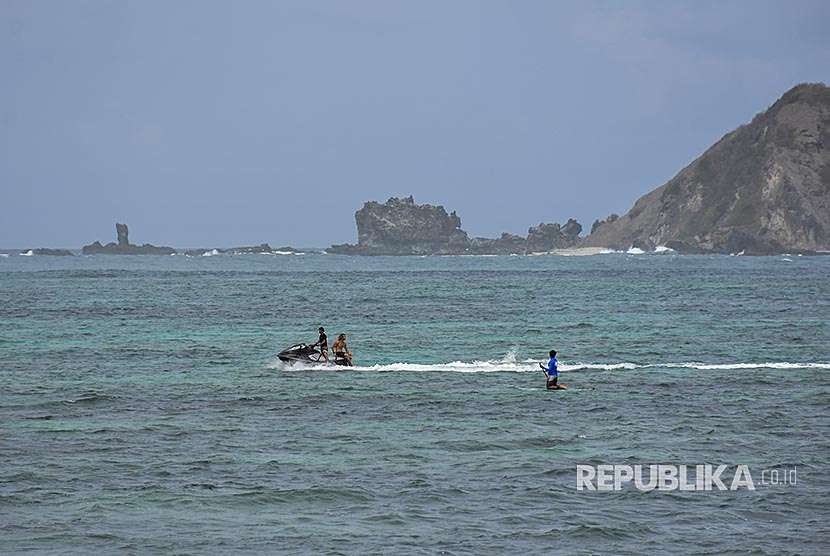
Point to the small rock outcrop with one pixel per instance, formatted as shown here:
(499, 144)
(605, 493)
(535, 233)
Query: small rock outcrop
(764, 188)
(244, 250)
(51, 252)
(402, 227)
(507, 244)
(247, 249)
(124, 247)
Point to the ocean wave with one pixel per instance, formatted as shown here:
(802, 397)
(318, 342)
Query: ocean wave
(511, 365)
(210, 253)
(659, 250)
(28, 253)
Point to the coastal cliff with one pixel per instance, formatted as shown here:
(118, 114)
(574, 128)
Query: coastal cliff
(124, 247)
(402, 227)
(763, 188)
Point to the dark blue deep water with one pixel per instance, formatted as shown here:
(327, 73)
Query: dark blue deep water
(142, 408)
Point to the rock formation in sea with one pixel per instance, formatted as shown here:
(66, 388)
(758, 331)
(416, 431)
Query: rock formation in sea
(50, 252)
(247, 249)
(402, 227)
(123, 234)
(763, 188)
(124, 247)
(244, 250)
(547, 237)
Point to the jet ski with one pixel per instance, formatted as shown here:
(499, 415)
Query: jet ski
(307, 354)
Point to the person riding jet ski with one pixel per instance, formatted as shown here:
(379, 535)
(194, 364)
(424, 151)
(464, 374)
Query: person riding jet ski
(310, 354)
(341, 351)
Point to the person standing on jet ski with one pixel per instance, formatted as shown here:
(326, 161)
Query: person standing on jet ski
(323, 344)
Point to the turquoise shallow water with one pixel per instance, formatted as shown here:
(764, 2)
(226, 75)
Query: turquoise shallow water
(142, 407)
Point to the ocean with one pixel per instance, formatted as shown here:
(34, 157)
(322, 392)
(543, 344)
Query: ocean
(143, 409)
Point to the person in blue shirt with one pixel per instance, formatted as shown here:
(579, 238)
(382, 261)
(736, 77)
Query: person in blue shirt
(552, 372)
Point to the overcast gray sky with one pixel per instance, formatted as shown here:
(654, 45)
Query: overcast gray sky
(222, 123)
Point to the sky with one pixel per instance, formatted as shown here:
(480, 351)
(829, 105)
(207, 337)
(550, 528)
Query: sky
(210, 123)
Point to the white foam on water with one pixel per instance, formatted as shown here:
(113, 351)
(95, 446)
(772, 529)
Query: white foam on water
(663, 249)
(599, 366)
(739, 366)
(509, 364)
(28, 253)
(210, 253)
(635, 251)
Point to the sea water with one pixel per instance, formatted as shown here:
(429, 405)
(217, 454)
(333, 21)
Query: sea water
(143, 409)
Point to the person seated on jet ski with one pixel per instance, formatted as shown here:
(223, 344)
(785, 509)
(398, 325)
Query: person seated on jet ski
(323, 344)
(341, 350)
(551, 371)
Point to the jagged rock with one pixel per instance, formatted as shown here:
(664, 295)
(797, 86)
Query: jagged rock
(401, 227)
(571, 230)
(763, 188)
(124, 247)
(547, 237)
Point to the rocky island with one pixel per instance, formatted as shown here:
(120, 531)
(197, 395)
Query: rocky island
(402, 227)
(764, 188)
(124, 247)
